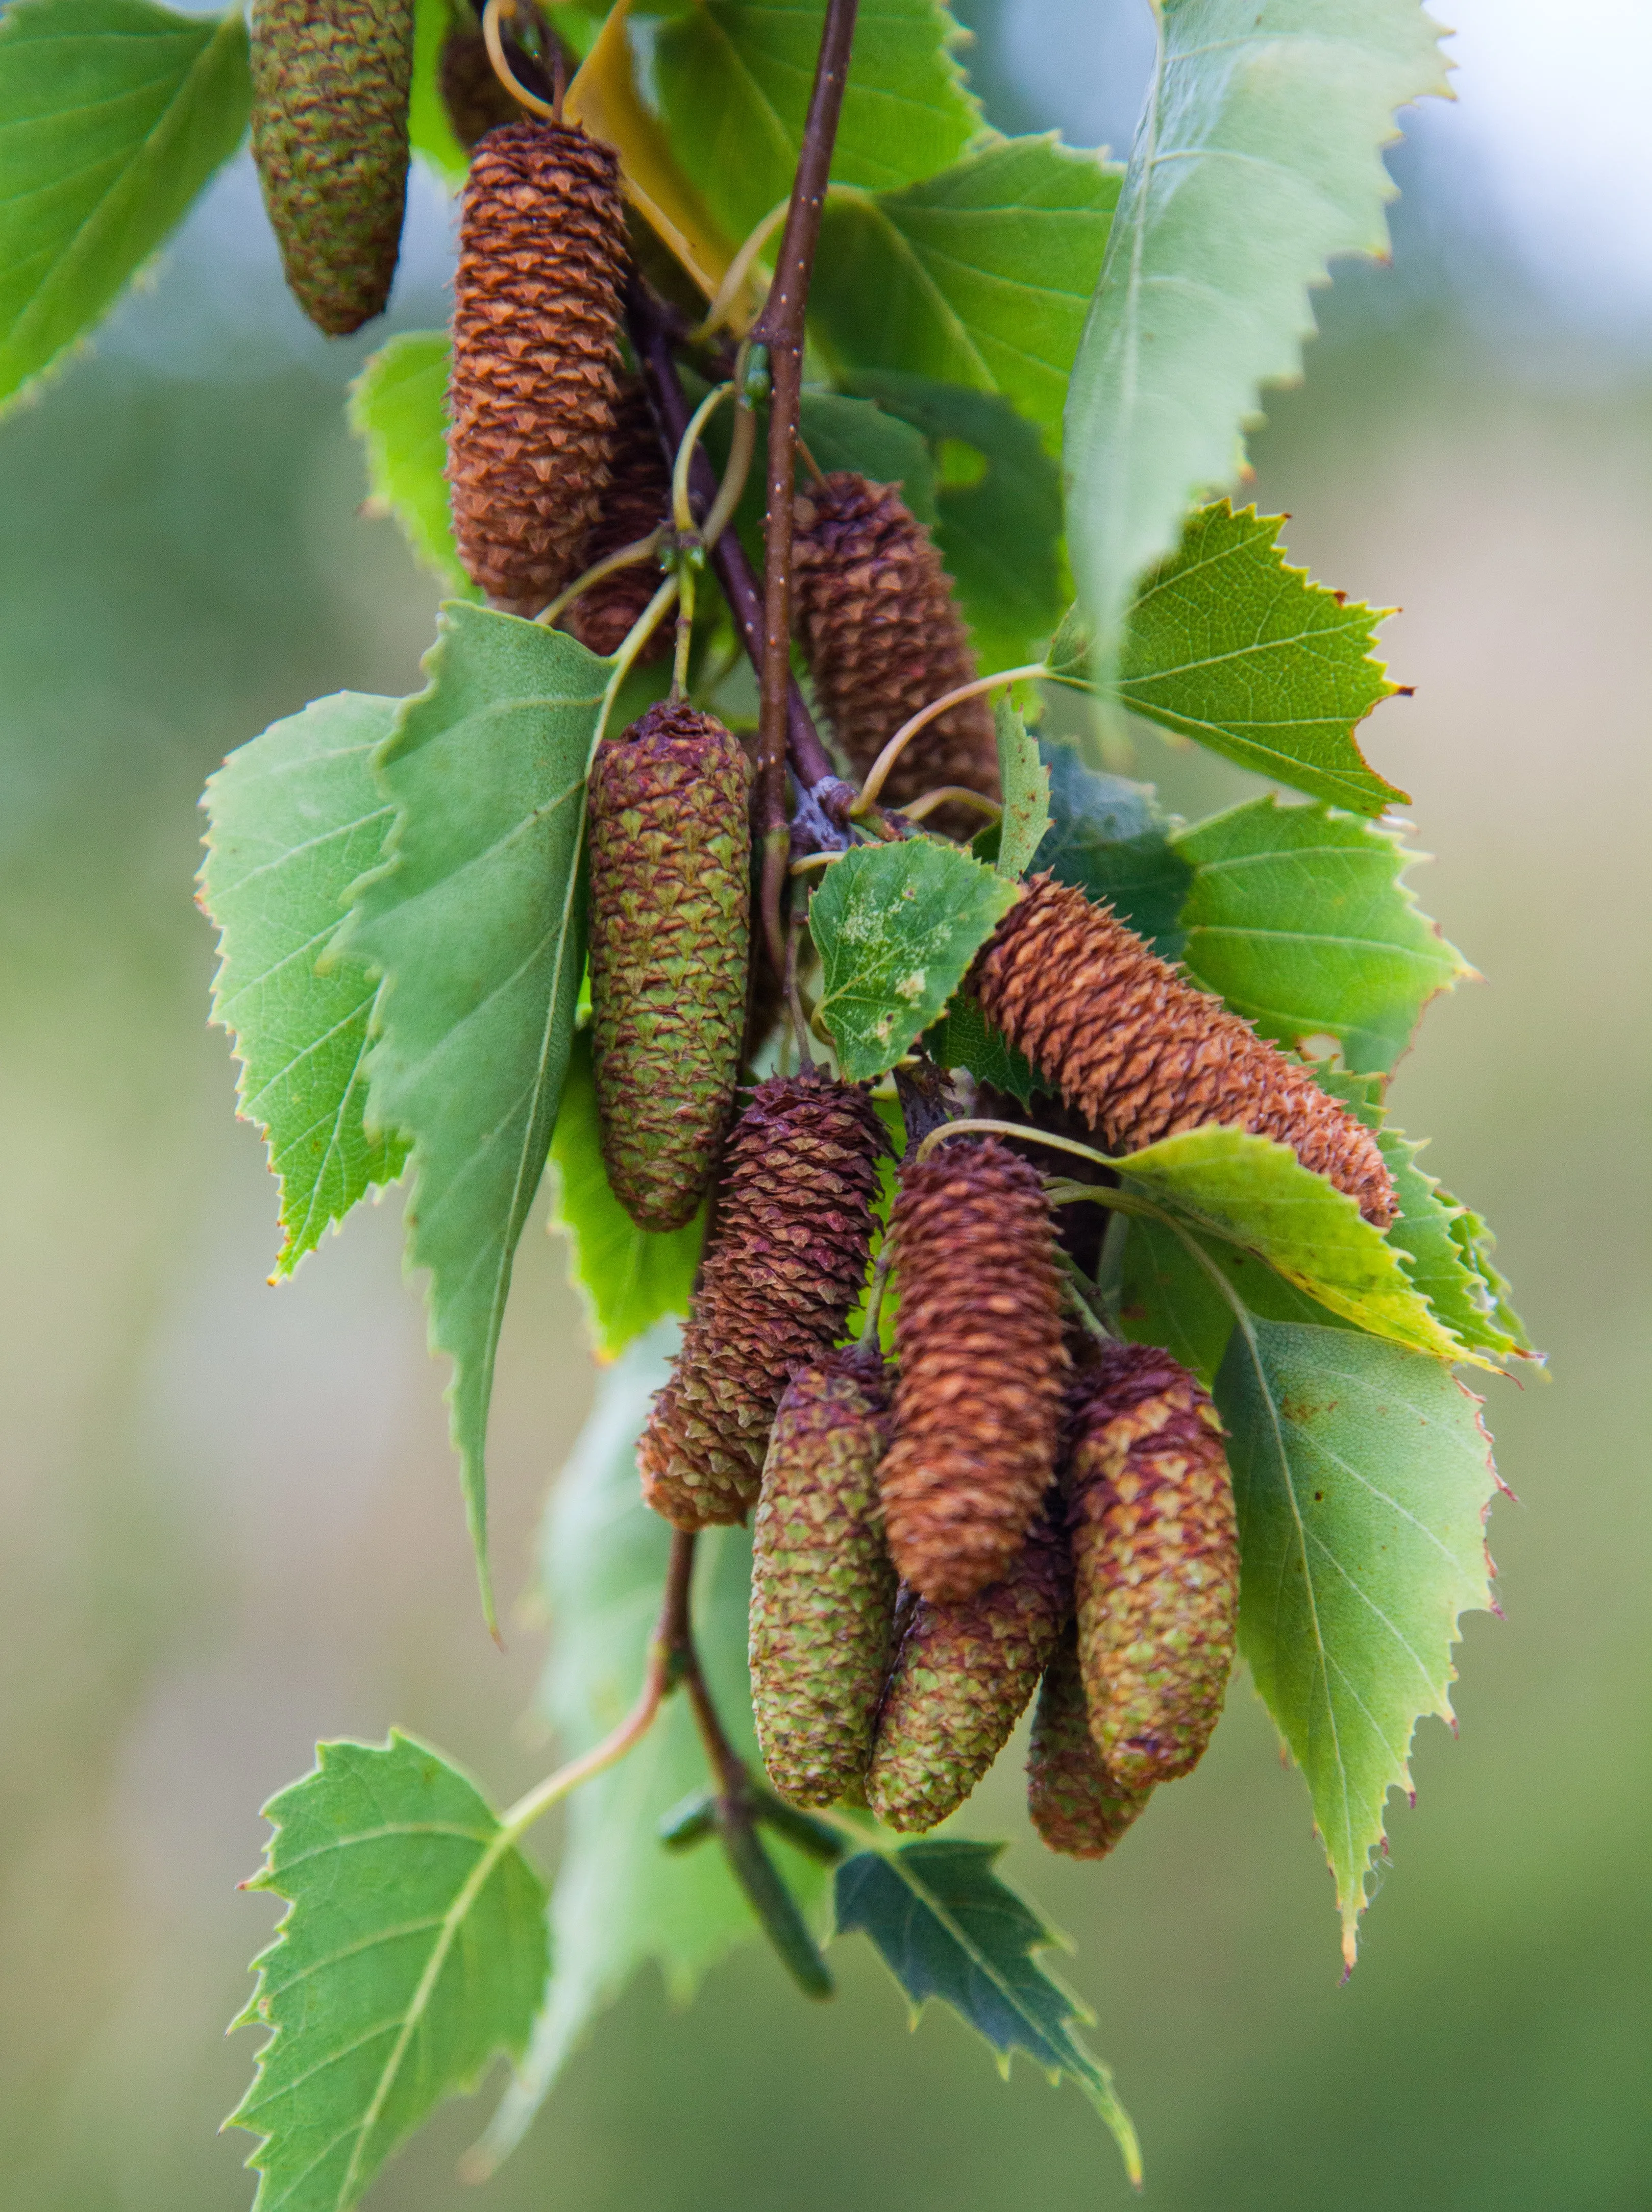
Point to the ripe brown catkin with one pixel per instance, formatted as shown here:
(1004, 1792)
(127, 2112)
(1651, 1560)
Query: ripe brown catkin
(979, 1337)
(1142, 1055)
(784, 1265)
(874, 612)
(637, 499)
(536, 370)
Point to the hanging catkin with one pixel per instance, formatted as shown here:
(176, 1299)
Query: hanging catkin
(1155, 1562)
(638, 499)
(784, 1265)
(961, 1680)
(1075, 1805)
(536, 370)
(330, 82)
(823, 1589)
(475, 100)
(875, 615)
(1142, 1055)
(978, 1335)
(671, 876)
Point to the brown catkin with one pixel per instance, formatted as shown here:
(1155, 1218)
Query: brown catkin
(638, 499)
(823, 1589)
(783, 1267)
(670, 895)
(978, 1334)
(1142, 1055)
(961, 1680)
(1155, 1562)
(1077, 1806)
(330, 84)
(542, 259)
(874, 612)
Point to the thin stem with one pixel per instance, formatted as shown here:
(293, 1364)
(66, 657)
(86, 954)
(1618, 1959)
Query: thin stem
(684, 631)
(908, 730)
(1078, 1288)
(681, 513)
(781, 328)
(636, 638)
(643, 549)
(875, 1289)
(741, 446)
(953, 794)
(794, 995)
(551, 109)
(812, 861)
(738, 270)
(1020, 1129)
(648, 321)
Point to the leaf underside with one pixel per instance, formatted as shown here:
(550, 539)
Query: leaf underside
(113, 114)
(1362, 1477)
(413, 1952)
(1256, 159)
(476, 923)
(293, 819)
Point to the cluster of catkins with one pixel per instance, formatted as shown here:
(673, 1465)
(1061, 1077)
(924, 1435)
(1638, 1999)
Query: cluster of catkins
(1014, 1507)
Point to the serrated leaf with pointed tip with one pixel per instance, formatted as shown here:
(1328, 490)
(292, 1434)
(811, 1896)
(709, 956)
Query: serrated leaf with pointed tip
(477, 922)
(398, 410)
(1257, 158)
(1257, 1193)
(1227, 643)
(947, 1927)
(414, 1953)
(1110, 839)
(896, 928)
(1300, 918)
(113, 114)
(294, 819)
(979, 277)
(734, 80)
(621, 1899)
(628, 1278)
(1361, 1476)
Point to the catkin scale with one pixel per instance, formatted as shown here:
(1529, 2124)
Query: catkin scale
(330, 85)
(979, 1337)
(671, 874)
(1075, 1805)
(1143, 1055)
(536, 368)
(1155, 1562)
(823, 1589)
(961, 1680)
(874, 612)
(783, 1266)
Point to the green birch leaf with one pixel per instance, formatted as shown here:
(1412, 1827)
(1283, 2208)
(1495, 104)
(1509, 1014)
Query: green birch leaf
(113, 114)
(398, 408)
(1256, 1193)
(429, 130)
(1301, 920)
(964, 1037)
(1110, 839)
(998, 509)
(1442, 1245)
(621, 1900)
(477, 922)
(414, 1953)
(1229, 644)
(896, 928)
(1167, 1298)
(629, 1277)
(1257, 159)
(1025, 783)
(947, 1927)
(734, 79)
(295, 818)
(1362, 1477)
(846, 431)
(978, 276)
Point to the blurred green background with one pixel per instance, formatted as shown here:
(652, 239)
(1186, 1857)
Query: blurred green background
(228, 1523)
